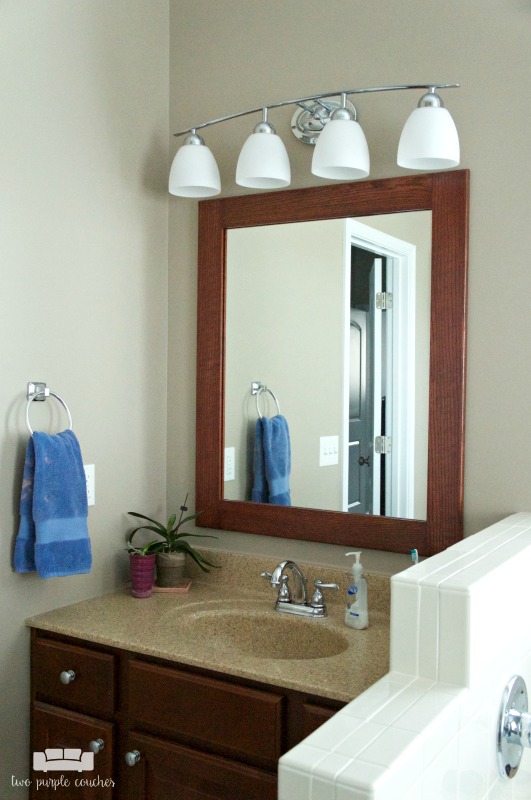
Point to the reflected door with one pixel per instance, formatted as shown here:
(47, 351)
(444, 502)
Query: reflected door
(378, 371)
(366, 380)
(359, 428)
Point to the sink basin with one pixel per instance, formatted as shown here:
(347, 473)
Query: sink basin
(257, 632)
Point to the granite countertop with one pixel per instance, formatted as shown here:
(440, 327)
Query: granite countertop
(182, 628)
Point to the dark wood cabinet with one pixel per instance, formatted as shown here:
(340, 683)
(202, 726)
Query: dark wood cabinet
(313, 716)
(166, 771)
(91, 687)
(164, 730)
(234, 720)
(56, 728)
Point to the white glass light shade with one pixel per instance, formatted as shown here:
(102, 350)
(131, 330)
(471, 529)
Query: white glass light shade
(341, 152)
(263, 162)
(429, 140)
(194, 172)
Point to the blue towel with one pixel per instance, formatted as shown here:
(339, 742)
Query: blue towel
(259, 492)
(53, 534)
(272, 462)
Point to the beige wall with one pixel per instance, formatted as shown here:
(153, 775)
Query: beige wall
(226, 57)
(83, 286)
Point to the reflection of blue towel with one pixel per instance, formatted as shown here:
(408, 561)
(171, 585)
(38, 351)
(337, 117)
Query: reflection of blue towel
(259, 493)
(272, 462)
(53, 534)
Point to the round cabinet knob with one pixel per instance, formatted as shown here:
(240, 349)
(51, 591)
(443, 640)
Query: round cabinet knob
(67, 676)
(132, 758)
(96, 745)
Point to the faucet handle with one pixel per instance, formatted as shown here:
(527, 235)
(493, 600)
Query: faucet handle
(284, 594)
(317, 599)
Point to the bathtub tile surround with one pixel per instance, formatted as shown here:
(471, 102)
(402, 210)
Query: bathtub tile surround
(460, 629)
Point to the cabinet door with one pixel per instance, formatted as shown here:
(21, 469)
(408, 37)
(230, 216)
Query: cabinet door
(313, 716)
(59, 729)
(167, 771)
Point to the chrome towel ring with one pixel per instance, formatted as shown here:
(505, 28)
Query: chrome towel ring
(39, 392)
(257, 389)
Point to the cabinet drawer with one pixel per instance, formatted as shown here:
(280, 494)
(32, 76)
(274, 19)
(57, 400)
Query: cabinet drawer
(57, 728)
(233, 719)
(92, 689)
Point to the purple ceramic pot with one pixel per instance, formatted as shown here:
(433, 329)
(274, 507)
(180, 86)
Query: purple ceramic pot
(142, 572)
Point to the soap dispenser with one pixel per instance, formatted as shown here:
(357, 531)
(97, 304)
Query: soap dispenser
(357, 610)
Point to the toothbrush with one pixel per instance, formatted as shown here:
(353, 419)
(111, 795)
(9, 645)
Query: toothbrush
(414, 555)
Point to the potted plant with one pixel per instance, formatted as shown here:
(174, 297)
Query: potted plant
(172, 548)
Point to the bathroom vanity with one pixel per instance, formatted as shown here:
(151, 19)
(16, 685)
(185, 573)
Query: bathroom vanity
(167, 730)
(174, 702)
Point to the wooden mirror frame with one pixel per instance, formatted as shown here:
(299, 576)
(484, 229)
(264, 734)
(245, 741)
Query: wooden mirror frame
(446, 195)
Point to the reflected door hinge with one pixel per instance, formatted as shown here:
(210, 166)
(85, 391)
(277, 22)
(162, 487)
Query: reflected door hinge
(384, 300)
(382, 445)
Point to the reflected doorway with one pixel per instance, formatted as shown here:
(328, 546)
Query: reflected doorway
(378, 460)
(368, 383)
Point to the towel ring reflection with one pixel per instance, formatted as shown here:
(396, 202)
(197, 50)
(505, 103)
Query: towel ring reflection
(257, 389)
(46, 393)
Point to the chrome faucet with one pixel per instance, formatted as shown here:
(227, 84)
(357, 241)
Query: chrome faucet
(295, 600)
(299, 593)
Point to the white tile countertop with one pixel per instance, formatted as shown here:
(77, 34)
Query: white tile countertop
(460, 629)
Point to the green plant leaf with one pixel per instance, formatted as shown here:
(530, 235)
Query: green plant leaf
(200, 560)
(155, 547)
(195, 535)
(171, 523)
(148, 528)
(189, 518)
(142, 516)
(148, 549)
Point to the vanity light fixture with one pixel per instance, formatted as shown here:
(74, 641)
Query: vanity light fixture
(194, 172)
(263, 161)
(341, 151)
(429, 141)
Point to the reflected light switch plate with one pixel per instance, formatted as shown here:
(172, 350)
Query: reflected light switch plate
(329, 451)
(230, 461)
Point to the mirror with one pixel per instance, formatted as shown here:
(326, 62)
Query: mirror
(340, 329)
(445, 195)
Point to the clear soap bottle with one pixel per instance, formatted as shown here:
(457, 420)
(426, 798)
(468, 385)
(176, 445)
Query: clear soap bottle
(357, 609)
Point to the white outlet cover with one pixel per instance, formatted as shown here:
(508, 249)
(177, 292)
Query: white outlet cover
(90, 477)
(230, 462)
